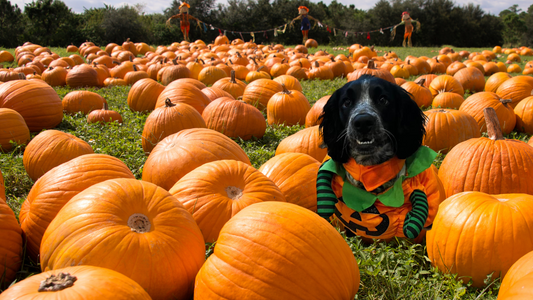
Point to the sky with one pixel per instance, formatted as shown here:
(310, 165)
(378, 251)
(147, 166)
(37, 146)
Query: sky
(157, 6)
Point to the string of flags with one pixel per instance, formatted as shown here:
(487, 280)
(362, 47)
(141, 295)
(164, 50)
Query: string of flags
(282, 28)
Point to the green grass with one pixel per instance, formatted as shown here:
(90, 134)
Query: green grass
(394, 270)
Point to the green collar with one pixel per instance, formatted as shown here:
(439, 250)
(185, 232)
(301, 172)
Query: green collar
(359, 199)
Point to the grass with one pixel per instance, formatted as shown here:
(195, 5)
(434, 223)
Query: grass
(394, 270)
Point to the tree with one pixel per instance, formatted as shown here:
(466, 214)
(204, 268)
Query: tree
(11, 24)
(122, 23)
(527, 36)
(514, 25)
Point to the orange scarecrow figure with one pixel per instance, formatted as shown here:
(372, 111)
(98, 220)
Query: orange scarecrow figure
(306, 25)
(406, 19)
(184, 20)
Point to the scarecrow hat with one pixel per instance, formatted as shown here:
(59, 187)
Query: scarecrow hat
(303, 10)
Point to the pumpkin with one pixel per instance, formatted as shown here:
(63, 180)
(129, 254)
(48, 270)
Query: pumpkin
(428, 78)
(469, 223)
(475, 104)
(104, 116)
(490, 68)
(313, 116)
(307, 141)
(180, 92)
(10, 243)
(419, 93)
(290, 82)
(446, 128)
(214, 93)
(454, 68)
(143, 95)
(214, 192)
(400, 71)
(311, 43)
(259, 92)
(231, 85)
(308, 242)
(257, 74)
(77, 283)
(400, 81)
(168, 120)
(371, 69)
(210, 74)
(295, 174)
(6, 56)
(288, 108)
(495, 80)
(516, 89)
(234, 118)
(55, 76)
(50, 149)
(298, 72)
(13, 128)
(56, 187)
(490, 165)
(221, 40)
(517, 281)
(524, 117)
(81, 76)
(182, 152)
(471, 79)
(35, 101)
(514, 68)
(137, 74)
(446, 83)
(163, 236)
(447, 100)
(172, 73)
(421, 65)
(82, 101)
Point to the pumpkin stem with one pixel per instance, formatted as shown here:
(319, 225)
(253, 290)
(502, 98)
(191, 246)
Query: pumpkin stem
(105, 106)
(301, 65)
(260, 68)
(169, 103)
(493, 124)
(232, 76)
(421, 81)
(139, 223)
(370, 64)
(285, 90)
(234, 193)
(57, 283)
(135, 68)
(316, 64)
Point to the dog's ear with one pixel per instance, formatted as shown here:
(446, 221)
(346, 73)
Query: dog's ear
(410, 128)
(333, 129)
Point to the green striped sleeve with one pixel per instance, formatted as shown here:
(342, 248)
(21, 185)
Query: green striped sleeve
(416, 218)
(326, 198)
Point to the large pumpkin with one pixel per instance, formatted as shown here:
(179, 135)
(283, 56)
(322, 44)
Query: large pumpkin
(181, 92)
(259, 92)
(35, 101)
(76, 283)
(133, 227)
(82, 75)
(182, 152)
(475, 234)
(13, 128)
(143, 95)
(295, 174)
(288, 107)
(307, 141)
(276, 250)
(517, 281)
(492, 165)
(50, 149)
(371, 69)
(82, 101)
(471, 79)
(214, 192)
(231, 85)
(446, 83)
(10, 243)
(313, 115)
(419, 93)
(447, 100)
(475, 104)
(524, 116)
(516, 89)
(54, 189)
(446, 128)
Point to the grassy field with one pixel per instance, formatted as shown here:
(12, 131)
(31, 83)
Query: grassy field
(395, 270)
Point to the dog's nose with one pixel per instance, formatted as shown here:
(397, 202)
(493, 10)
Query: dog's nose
(363, 123)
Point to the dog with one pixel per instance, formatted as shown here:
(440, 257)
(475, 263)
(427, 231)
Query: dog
(380, 181)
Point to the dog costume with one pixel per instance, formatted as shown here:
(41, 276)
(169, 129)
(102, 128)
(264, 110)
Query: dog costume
(407, 21)
(401, 210)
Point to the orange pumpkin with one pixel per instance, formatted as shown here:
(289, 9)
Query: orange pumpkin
(182, 152)
(214, 192)
(181, 92)
(524, 116)
(143, 95)
(428, 78)
(76, 283)
(231, 85)
(210, 74)
(517, 281)
(516, 89)
(290, 82)
(371, 69)
(82, 75)
(447, 100)
(163, 237)
(495, 80)
(312, 117)
(475, 104)
(137, 74)
(259, 92)
(10, 243)
(469, 223)
(104, 116)
(82, 101)
(214, 93)
(55, 188)
(446, 128)
(307, 141)
(54, 76)
(471, 79)
(308, 242)
(288, 108)
(13, 128)
(491, 165)
(419, 93)
(446, 83)
(172, 73)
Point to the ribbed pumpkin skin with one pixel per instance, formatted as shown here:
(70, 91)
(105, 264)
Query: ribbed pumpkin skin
(143, 95)
(12, 128)
(446, 83)
(517, 282)
(447, 100)
(379, 72)
(289, 243)
(91, 283)
(214, 192)
(210, 75)
(290, 82)
(82, 101)
(495, 80)
(182, 152)
(468, 224)
(288, 108)
(259, 92)
(51, 148)
(235, 88)
(420, 94)
(10, 243)
(234, 118)
(305, 141)
(35, 101)
(168, 120)
(95, 228)
(214, 93)
(57, 187)
(475, 104)
(471, 79)
(516, 89)
(295, 174)
(446, 128)
(172, 73)
(484, 165)
(82, 75)
(180, 92)
(312, 117)
(103, 116)
(524, 115)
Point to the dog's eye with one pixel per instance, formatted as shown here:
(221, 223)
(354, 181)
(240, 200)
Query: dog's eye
(383, 101)
(346, 103)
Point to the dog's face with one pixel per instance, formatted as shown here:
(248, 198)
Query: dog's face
(371, 120)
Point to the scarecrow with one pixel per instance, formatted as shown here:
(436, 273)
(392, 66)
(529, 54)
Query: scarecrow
(184, 20)
(406, 19)
(306, 25)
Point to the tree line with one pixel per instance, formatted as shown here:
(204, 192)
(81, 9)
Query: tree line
(53, 23)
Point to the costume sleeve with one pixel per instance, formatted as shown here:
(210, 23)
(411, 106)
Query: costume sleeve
(416, 218)
(434, 191)
(326, 198)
